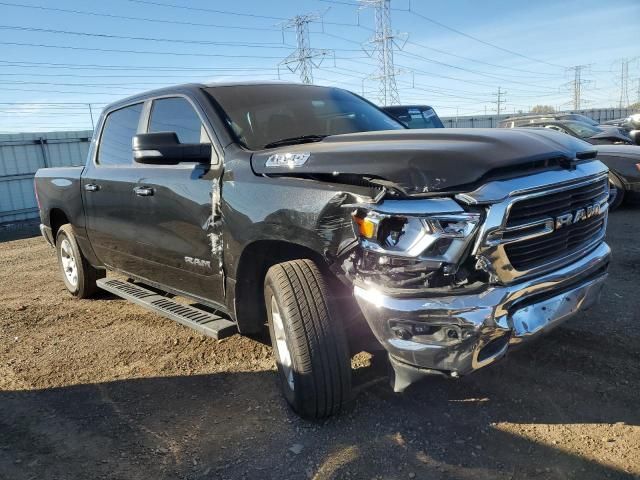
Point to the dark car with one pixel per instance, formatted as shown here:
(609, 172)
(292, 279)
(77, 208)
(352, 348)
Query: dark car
(624, 172)
(528, 120)
(415, 116)
(630, 124)
(595, 135)
(308, 211)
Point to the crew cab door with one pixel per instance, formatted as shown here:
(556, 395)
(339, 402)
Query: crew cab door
(107, 190)
(176, 230)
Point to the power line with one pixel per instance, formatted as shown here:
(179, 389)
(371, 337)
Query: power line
(146, 39)
(459, 32)
(202, 9)
(139, 19)
(304, 58)
(146, 52)
(95, 66)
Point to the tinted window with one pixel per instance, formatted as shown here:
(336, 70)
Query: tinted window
(416, 117)
(262, 114)
(119, 129)
(177, 115)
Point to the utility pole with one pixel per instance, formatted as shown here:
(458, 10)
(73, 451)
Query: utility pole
(304, 58)
(638, 99)
(624, 83)
(384, 42)
(93, 127)
(576, 85)
(500, 101)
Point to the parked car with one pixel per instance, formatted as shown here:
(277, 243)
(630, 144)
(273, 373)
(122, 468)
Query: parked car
(311, 210)
(528, 120)
(525, 119)
(630, 124)
(415, 116)
(624, 172)
(588, 133)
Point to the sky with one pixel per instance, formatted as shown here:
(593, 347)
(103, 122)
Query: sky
(59, 58)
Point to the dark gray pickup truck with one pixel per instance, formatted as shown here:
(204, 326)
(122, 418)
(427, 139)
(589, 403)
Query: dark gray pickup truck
(311, 210)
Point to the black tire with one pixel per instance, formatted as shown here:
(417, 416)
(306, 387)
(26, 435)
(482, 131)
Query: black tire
(616, 189)
(85, 285)
(320, 368)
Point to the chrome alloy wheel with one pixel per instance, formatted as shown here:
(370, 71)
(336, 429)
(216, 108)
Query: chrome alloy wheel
(284, 355)
(69, 265)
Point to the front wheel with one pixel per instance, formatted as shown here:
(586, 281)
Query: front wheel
(616, 192)
(310, 347)
(78, 275)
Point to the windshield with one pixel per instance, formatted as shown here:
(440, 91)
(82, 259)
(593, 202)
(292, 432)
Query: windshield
(582, 118)
(582, 130)
(260, 115)
(416, 117)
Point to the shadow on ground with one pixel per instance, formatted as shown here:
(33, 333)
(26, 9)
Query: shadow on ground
(235, 425)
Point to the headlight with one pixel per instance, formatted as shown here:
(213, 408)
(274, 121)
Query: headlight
(441, 237)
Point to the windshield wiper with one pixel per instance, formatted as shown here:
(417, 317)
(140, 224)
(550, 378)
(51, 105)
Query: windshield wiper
(294, 140)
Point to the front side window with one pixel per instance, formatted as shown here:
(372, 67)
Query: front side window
(119, 129)
(260, 116)
(177, 115)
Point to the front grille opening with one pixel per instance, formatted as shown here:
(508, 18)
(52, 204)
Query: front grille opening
(561, 243)
(556, 203)
(531, 253)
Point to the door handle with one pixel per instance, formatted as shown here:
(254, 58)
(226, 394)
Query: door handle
(143, 191)
(91, 187)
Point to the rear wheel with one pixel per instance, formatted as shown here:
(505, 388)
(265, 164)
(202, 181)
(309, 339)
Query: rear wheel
(78, 275)
(310, 347)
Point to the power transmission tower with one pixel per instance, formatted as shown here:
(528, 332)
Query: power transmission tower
(384, 42)
(304, 58)
(577, 84)
(500, 100)
(624, 82)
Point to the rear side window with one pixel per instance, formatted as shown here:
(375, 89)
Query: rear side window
(119, 129)
(177, 115)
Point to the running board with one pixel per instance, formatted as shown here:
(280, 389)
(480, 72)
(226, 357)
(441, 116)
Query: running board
(204, 322)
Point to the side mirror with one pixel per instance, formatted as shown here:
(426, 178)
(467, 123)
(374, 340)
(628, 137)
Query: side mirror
(163, 148)
(635, 136)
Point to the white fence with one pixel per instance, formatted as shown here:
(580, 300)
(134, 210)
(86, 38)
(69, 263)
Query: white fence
(21, 155)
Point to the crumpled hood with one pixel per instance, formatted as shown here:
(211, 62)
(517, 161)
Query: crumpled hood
(421, 161)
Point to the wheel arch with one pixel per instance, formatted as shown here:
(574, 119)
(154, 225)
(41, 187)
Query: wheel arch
(57, 218)
(254, 262)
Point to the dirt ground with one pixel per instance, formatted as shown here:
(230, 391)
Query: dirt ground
(102, 389)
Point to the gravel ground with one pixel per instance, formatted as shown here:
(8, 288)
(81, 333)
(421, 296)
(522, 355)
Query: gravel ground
(104, 389)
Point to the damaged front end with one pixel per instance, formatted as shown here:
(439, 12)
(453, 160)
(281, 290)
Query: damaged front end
(442, 298)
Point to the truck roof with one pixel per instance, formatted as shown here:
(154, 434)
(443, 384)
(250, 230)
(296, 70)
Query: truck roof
(197, 86)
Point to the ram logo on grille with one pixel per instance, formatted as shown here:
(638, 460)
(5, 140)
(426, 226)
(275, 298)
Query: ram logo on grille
(578, 216)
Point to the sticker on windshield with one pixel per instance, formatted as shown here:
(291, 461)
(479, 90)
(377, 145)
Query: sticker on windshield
(290, 160)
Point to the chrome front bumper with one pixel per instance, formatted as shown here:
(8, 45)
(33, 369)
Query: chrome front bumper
(457, 334)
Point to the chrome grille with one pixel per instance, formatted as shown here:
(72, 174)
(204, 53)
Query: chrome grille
(533, 252)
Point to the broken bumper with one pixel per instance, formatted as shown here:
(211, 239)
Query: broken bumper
(457, 334)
